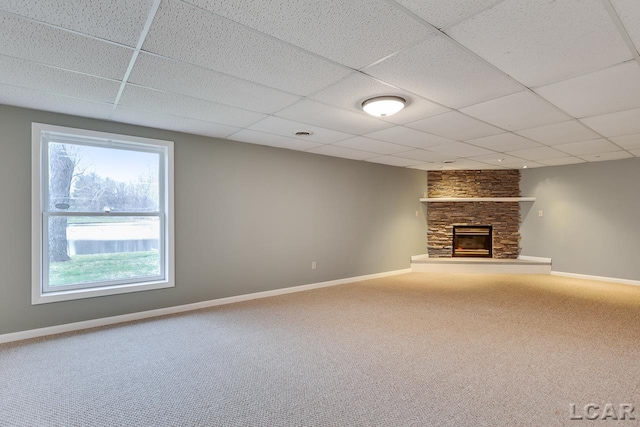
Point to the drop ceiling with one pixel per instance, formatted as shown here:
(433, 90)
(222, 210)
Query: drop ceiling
(489, 84)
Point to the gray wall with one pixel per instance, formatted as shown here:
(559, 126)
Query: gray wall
(248, 218)
(591, 222)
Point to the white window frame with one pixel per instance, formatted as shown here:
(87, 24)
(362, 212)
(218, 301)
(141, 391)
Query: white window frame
(41, 293)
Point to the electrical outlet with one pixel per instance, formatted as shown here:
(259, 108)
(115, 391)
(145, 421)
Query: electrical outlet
(540, 213)
(313, 265)
(417, 213)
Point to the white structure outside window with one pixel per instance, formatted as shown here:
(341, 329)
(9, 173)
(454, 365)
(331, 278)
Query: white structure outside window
(102, 214)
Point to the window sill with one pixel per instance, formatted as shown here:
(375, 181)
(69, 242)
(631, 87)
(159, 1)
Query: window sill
(45, 298)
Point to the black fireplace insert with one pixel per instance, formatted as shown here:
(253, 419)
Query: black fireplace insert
(472, 241)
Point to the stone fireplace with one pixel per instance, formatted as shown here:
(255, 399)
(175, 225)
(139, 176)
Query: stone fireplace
(503, 217)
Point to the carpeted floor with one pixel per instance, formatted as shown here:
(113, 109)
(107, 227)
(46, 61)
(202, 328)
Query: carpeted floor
(410, 350)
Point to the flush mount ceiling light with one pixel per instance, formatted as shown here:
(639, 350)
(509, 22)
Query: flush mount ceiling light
(383, 106)
(303, 133)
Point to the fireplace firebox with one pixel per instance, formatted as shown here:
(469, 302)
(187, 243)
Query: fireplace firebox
(472, 241)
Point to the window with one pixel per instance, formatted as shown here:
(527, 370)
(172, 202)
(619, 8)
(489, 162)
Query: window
(102, 213)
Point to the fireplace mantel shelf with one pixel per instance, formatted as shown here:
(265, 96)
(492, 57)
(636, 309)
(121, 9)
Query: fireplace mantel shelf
(477, 199)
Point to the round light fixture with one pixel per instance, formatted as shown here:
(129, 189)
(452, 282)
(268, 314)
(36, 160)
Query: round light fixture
(303, 133)
(383, 106)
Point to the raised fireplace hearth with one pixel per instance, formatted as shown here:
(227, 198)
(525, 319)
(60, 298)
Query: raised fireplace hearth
(472, 241)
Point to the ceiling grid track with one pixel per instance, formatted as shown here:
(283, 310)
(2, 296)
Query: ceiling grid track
(134, 57)
(262, 34)
(510, 76)
(440, 32)
(621, 28)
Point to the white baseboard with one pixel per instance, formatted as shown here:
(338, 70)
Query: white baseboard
(534, 258)
(87, 324)
(419, 257)
(599, 278)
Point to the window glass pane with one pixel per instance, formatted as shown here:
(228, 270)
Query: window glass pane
(85, 249)
(84, 178)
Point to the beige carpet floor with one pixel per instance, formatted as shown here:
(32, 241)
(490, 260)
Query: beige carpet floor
(409, 350)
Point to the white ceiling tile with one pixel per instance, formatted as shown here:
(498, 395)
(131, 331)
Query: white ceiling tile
(562, 161)
(323, 115)
(426, 156)
(522, 110)
(560, 133)
(19, 72)
(461, 164)
(635, 152)
(183, 32)
(539, 42)
(38, 100)
(186, 79)
(355, 89)
(428, 166)
(393, 161)
(628, 142)
(629, 13)
(497, 159)
(288, 128)
(371, 145)
(439, 70)
(594, 146)
(441, 14)
(601, 157)
(455, 125)
(460, 149)
(170, 122)
(540, 153)
(524, 165)
(409, 137)
(601, 92)
(615, 124)
(416, 108)
(503, 142)
(355, 33)
(345, 153)
(24, 39)
(179, 105)
(469, 164)
(272, 140)
(120, 21)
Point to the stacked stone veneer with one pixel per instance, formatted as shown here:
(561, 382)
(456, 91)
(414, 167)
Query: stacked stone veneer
(503, 216)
